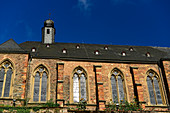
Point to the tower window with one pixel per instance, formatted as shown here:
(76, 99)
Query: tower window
(48, 31)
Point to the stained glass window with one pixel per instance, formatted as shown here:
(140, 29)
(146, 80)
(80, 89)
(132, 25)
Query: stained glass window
(5, 78)
(157, 91)
(120, 87)
(2, 73)
(151, 92)
(117, 86)
(40, 84)
(75, 88)
(36, 86)
(8, 82)
(44, 87)
(79, 85)
(153, 87)
(114, 89)
(83, 86)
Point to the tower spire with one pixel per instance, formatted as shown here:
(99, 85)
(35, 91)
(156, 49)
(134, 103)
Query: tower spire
(48, 32)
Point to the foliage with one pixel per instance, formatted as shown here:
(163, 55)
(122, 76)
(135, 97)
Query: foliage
(26, 101)
(68, 106)
(123, 106)
(36, 109)
(1, 104)
(81, 105)
(15, 109)
(23, 110)
(126, 106)
(50, 103)
(1, 110)
(111, 107)
(57, 110)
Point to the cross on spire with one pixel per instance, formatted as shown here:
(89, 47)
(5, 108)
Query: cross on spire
(49, 15)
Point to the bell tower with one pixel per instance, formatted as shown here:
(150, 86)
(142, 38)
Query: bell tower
(48, 32)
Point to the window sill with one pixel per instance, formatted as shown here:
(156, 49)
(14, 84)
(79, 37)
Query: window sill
(37, 102)
(75, 104)
(6, 98)
(160, 105)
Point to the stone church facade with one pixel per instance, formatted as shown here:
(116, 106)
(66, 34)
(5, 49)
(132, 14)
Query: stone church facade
(70, 72)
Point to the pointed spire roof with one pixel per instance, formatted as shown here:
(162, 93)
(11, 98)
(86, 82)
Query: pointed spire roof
(10, 46)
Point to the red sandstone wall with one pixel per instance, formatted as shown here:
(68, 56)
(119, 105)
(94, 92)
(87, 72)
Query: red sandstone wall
(50, 64)
(167, 73)
(106, 68)
(20, 64)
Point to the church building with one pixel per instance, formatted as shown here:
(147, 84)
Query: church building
(71, 72)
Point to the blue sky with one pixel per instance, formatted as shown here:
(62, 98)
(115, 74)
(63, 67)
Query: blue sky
(117, 22)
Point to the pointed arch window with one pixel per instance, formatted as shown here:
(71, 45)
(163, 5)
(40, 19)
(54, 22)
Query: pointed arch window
(79, 85)
(153, 82)
(6, 72)
(117, 86)
(40, 84)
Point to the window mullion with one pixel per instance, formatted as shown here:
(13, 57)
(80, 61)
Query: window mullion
(4, 83)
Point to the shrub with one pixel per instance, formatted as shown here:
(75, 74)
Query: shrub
(23, 110)
(50, 103)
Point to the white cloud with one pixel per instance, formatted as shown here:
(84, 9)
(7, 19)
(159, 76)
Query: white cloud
(115, 2)
(84, 5)
(131, 2)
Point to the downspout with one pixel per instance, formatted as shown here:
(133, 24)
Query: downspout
(27, 79)
(97, 98)
(56, 81)
(134, 84)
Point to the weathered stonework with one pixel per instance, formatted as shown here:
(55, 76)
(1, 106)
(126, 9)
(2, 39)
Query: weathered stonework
(61, 73)
(20, 64)
(166, 65)
(58, 62)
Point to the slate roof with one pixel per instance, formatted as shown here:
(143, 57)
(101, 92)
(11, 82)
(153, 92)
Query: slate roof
(11, 46)
(86, 52)
(166, 50)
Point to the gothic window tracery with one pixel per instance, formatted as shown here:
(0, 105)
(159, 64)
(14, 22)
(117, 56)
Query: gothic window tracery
(40, 84)
(117, 86)
(6, 72)
(153, 83)
(79, 85)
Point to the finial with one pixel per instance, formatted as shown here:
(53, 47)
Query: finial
(49, 15)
